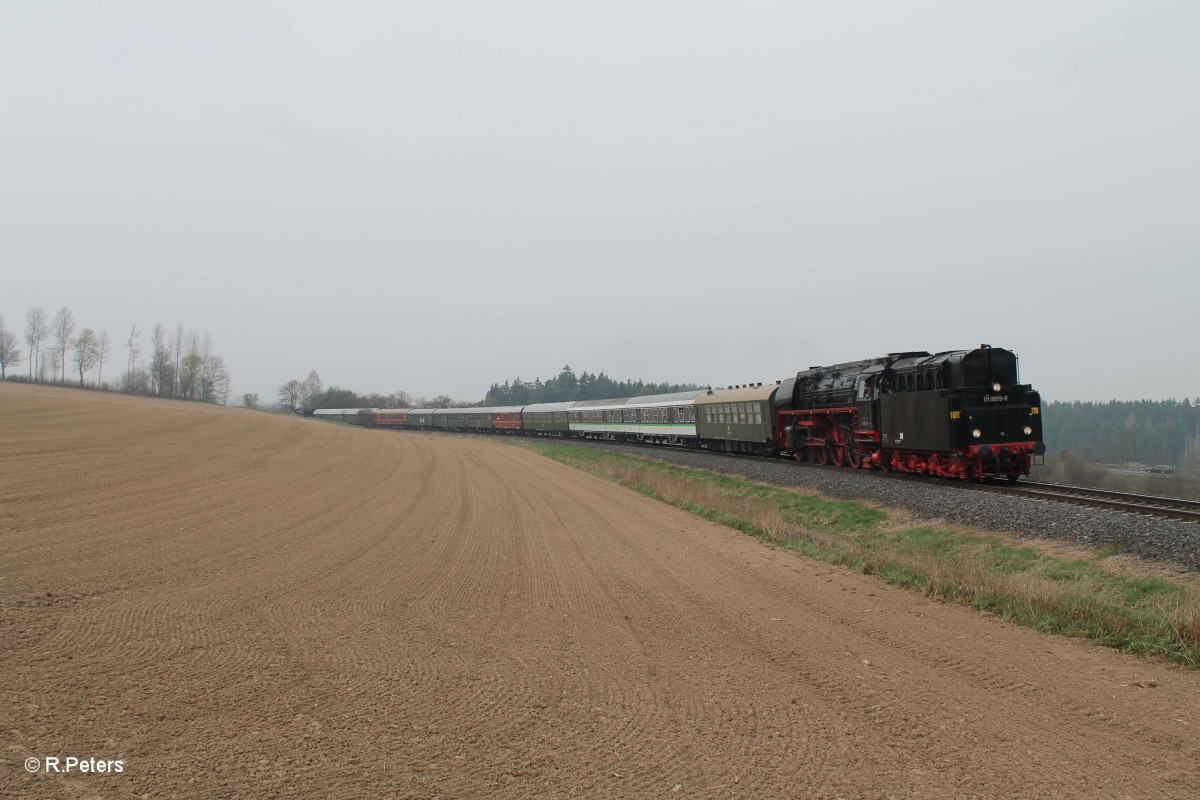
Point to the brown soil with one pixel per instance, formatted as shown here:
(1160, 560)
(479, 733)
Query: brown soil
(243, 605)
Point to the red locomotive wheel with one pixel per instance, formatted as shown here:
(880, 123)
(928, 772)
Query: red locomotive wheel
(853, 458)
(837, 454)
(818, 454)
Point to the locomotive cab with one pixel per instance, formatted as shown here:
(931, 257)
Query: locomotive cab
(866, 393)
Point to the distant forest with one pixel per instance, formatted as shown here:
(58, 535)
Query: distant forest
(1121, 432)
(569, 386)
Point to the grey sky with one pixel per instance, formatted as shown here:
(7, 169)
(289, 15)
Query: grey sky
(434, 196)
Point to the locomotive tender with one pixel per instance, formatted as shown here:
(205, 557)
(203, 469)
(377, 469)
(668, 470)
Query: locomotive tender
(959, 414)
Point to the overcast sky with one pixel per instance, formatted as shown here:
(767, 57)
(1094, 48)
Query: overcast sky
(435, 196)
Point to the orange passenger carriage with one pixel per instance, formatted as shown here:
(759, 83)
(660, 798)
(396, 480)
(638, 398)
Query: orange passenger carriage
(391, 417)
(507, 418)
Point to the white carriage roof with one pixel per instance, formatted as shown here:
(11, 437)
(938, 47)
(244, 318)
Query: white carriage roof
(673, 399)
(563, 406)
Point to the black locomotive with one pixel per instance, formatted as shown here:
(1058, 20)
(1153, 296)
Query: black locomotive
(959, 414)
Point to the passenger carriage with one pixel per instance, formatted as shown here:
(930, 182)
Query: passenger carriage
(664, 418)
(547, 419)
(739, 419)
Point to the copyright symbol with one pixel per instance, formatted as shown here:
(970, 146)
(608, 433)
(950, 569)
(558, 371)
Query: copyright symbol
(32, 764)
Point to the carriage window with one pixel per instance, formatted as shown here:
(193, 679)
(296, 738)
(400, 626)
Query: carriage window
(758, 413)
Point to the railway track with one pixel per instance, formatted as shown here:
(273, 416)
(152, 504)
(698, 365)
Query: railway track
(1151, 505)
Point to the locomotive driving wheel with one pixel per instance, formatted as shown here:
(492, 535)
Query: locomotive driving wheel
(818, 454)
(853, 457)
(837, 453)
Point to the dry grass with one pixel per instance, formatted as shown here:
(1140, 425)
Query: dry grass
(1056, 593)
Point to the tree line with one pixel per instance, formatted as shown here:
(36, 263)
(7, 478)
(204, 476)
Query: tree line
(1123, 432)
(311, 393)
(182, 364)
(566, 386)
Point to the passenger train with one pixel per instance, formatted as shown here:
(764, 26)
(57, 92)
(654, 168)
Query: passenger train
(960, 414)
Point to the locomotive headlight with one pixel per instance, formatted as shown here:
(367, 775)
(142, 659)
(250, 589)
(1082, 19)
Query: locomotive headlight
(977, 433)
(1028, 431)
(995, 387)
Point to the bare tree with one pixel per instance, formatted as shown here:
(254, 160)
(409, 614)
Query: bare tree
(177, 349)
(207, 378)
(189, 368)
(103, 348)
(250, 400)
(36, 331)
(291, 395)
(52, 360)
(216, 380)
(87, 352)
(64, 328)
(161, 375)
(134, 351)
(10, 351)
(311, 386)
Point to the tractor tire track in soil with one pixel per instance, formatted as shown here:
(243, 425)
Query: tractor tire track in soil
(243, 604)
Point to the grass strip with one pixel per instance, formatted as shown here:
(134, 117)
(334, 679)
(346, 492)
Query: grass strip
(1073, 597)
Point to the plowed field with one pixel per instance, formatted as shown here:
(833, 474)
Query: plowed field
(238, 604)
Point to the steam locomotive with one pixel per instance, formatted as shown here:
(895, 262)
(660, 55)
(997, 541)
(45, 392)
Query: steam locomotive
(959, 414)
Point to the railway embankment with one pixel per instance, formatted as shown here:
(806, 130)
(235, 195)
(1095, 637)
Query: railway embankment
(1073, 592)
(1155, 539)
